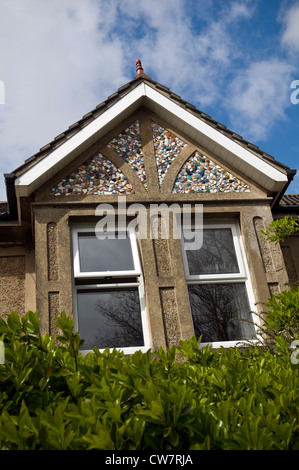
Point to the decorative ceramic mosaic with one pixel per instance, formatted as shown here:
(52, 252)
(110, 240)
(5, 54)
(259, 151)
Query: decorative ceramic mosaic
(97, 175)
(167, 147)
(128, 146)
(201, 175)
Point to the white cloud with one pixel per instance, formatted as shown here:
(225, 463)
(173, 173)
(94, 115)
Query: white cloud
(56, 65)
(63, 57)
(259, 96)
(192, 62)
(290, 36)
(239, 10)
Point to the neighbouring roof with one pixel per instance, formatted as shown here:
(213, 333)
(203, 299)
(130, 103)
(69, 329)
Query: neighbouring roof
(290, 200)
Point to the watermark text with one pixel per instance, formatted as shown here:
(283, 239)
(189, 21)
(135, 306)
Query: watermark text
(295, 353)
(156, 221)
(2, 92)
(295, 94)
(2, 353)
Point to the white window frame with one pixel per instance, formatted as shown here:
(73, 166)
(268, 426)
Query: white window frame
(102, 274)
(136, 272)
(241, 277)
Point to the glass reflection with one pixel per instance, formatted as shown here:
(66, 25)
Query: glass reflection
(221, 312)
(110, 318)
(104, 255)
(217, 254)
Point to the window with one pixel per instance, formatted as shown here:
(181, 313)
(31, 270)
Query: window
(109, 294)
(218, 286)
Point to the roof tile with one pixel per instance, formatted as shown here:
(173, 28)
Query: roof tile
(289, 200)
(87, 118)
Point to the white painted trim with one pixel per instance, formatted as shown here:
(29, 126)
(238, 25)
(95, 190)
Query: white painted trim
(205, 278)
(216, 136)
(229, 344)
(101, 274)
(70, 145)
(47, 167)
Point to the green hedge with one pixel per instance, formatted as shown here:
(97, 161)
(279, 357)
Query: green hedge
(52, 397)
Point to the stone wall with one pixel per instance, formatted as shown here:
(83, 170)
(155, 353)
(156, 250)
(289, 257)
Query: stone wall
(17, 281)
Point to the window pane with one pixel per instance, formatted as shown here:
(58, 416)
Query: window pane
(104, 255)
(217, 254)
(218, 311)
(110, 318)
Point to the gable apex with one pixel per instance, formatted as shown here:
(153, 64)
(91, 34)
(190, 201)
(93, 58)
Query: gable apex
(143, 91)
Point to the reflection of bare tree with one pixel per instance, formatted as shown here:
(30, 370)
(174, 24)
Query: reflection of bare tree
(121, 325)
(216, 309)
(217, 254)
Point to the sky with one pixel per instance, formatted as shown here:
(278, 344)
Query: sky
(236, 60)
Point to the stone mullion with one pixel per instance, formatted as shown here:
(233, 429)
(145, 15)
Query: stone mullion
(152, 293)
(149, 157)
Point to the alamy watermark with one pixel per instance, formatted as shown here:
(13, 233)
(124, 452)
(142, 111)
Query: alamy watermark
(295, 94)
(2, 92)
(2, 353)
(295, 353)
(187, 219)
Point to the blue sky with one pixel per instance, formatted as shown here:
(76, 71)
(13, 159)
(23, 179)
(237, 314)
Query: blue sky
(233, 59)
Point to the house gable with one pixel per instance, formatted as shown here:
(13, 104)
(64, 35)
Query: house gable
(149, 145)
(264, 172)
(145, 157)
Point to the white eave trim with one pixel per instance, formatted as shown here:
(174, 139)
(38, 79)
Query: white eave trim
(233, 148)
(39, 173)
(258, 169)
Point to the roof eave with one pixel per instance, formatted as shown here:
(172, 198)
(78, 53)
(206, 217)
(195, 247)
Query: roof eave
(143, 90)
(290, 175)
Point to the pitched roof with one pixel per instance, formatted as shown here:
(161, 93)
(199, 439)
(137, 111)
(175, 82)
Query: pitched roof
(290, 200)
(121, 92)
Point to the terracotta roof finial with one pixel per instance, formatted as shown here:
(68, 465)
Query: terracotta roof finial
(139, 69)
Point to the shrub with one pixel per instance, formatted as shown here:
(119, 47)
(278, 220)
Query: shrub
(280, 229)
(279, 325)
(53, 397)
